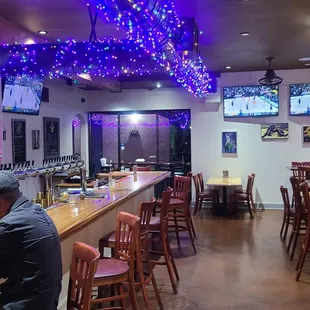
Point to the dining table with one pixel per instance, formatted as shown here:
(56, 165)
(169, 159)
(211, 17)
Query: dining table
(224, 183)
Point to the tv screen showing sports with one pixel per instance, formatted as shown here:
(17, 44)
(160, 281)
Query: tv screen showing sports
(300, 99)
(22, 94)
(246, 101)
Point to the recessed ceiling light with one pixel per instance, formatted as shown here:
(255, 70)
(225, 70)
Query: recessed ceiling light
(307, 64)
(304, 59)
(244, 34)
(228, 67)
(43, 32)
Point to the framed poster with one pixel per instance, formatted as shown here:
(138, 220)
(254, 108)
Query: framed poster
(18, 140)
(51, 137)
(305, 134)
(277, 131)
(35, 139)
(229, 142)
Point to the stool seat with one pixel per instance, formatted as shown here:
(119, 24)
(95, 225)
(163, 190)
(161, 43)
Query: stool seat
(173, 201)
(206, 194)
(155, 222)
(111, 267)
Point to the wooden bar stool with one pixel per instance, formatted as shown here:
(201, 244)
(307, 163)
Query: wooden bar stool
(306, 243)
(288, 214)
(244, 196)
(119, 271)
(179, 209)
(145, 213)
(300, 219)
(82, 271)
(159, 227)
(203, 195)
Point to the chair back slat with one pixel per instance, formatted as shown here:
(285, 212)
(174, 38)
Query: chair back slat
(82, 271)
(304, 188)
(303, 173)
(127, 235)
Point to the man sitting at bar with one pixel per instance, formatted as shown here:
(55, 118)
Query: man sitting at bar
(30, 255)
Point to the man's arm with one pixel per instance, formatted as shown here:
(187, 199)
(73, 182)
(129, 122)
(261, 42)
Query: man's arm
(7, 249)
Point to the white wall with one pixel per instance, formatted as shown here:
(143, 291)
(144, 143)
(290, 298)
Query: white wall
(267, 159)
(65, 103)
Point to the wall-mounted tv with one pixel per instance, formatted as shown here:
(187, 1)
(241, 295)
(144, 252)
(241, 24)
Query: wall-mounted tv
(22, 94)
(247, 101)
(300, 99)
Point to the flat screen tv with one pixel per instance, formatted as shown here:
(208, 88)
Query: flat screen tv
(22, 94)
(248, 101)
(300, 99)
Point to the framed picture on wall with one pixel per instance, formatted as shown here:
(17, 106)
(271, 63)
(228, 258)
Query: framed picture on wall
(306, 134)
(51, 137)
(35, 139)
(18, 140)
(274, 131)
(229, 142)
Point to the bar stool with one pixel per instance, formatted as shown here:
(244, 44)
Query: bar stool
(82, 271)
(159, 227)
(300, 220)
(203, 195)
(179, 209)
(244, 196)
(119, 270)
(288, 214)
(145, 213)
(306, 243)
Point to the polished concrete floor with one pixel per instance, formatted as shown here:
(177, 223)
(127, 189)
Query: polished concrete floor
(240, 264)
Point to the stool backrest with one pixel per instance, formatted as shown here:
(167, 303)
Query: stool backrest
(127, 236)
(296, 193)
(202, 183)
(197, 184)
(286, 199)
(164, 211)
(145, 213)
(304, 188)
(82, 271)
(249, 185)
(303, 173)
(181, 187)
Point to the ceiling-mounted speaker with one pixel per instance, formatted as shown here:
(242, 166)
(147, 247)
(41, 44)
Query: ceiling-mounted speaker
(270, 77)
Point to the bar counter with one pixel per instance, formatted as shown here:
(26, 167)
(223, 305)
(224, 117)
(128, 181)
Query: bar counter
(70, 218)
(90, 219)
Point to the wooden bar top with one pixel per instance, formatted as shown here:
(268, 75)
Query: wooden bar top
(115, 174)
(71, 218)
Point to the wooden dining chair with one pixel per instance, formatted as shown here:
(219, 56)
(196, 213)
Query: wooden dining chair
(244, 196)
(306, 242)
(82, 271)
(203, 195)
(288, 213)
(300, 219)
(120, 271)
(159, 229)
(109, 241)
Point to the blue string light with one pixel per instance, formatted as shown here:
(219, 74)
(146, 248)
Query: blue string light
(153, 32)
